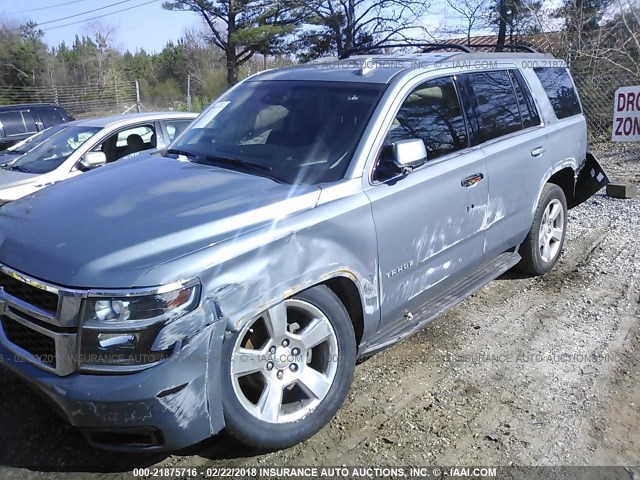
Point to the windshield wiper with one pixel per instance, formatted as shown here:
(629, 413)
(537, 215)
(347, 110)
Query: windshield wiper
(246, 165)
(186, 153)
(234, 161)
(16, 167)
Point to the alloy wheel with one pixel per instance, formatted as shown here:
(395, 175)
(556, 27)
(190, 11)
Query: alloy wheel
(284, 362)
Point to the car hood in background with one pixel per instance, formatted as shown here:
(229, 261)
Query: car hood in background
(107, 227)
(14, 178)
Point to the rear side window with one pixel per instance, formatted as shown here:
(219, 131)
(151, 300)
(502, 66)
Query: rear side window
(50, 117)
(559, 88)
(528, 111)
(12, 123)
(496, 104)
(65, 115)
(431, 112)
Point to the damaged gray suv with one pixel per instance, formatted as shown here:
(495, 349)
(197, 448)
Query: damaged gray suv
(311, 216)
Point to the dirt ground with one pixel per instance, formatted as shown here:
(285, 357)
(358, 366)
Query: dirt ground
(528, 371)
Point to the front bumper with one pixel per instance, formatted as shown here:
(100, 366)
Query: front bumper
(166, 407)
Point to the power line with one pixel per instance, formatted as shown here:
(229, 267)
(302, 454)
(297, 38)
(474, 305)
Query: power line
(45, 8)
(98, 16)
(83, 13)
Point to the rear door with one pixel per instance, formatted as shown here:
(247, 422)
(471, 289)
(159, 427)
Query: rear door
(17, 125)
(511, 135)
(429, 222)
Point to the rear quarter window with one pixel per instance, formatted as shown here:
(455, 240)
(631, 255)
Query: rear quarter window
(496, 104)
(560, 90)
(50, 117)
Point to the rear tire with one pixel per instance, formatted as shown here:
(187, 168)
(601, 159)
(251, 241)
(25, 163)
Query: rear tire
(541, 249)
(290, 370)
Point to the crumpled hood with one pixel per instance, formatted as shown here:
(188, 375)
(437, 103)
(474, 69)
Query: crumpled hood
(107, 227)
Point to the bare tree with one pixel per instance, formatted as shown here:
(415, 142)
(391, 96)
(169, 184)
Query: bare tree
(617, 42)
(472, 13)
(341, 25)
(103, 34)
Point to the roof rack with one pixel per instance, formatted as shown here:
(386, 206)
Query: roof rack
(512, 46)
(432, 47)
(427, 47)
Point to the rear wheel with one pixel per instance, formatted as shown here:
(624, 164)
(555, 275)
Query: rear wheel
(541, 249)
(290, 370)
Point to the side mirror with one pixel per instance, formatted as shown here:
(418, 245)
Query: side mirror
(92, 160)
(409, 154)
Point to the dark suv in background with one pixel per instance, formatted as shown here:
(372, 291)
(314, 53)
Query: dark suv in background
(18, 122)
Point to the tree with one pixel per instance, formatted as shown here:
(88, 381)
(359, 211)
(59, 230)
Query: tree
(471, 12)
(616, 43)
(242, 28)
(22, 54)
(513, 18)
(341, 25)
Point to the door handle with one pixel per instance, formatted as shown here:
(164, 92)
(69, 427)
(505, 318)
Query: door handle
(536, 152)
(472, 180)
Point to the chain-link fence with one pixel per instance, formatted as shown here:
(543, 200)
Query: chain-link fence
(596, 88)
(597, 95)
(79, 100)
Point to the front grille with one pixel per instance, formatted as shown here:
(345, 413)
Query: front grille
(37, 297)
(39, 345)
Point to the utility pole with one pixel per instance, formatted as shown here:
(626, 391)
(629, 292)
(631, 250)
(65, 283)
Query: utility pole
(137, 97)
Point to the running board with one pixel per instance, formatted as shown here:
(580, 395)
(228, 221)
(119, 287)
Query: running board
(445, 301)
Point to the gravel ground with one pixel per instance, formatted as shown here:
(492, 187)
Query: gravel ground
(528, 371)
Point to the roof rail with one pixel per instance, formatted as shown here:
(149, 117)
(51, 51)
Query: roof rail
(512, 46)
(432, 47)
(427, 47)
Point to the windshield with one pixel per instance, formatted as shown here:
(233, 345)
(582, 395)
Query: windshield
(50, 154)
(293, 131)
(28, 143)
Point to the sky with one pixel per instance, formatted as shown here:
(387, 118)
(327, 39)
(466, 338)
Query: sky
(148, 26)
(139, 24)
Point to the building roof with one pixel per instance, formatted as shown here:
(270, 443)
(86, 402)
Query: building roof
(543, 42)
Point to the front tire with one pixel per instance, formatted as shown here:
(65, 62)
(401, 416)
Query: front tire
(541, 249)
(290, 370)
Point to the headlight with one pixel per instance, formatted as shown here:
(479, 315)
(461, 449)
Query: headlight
(120, 331)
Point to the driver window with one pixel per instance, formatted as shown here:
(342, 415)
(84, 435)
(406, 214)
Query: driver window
(431, 112)
(128, 142)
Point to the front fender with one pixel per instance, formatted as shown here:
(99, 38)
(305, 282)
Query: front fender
(246, 275)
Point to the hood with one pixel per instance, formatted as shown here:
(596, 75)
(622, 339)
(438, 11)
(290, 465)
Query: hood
(107, 227)
(14, 178)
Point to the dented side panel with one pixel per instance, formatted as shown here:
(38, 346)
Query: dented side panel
(247, 274)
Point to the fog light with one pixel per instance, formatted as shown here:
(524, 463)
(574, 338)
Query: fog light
(117, 340)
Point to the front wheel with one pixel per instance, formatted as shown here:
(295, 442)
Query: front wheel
(290, 370)
(542, 247)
